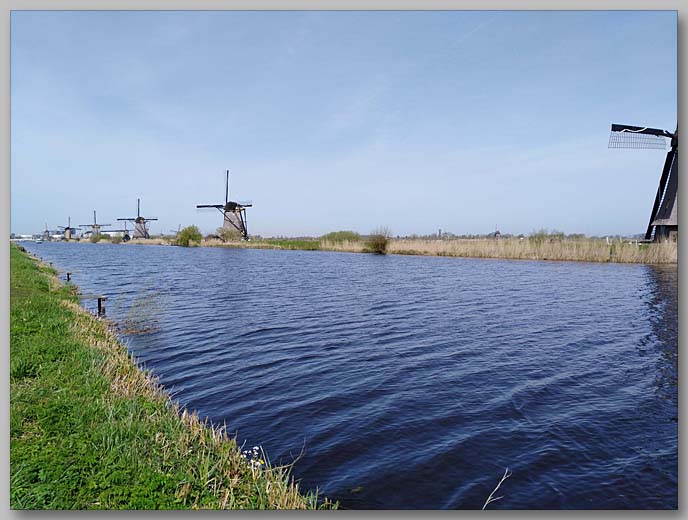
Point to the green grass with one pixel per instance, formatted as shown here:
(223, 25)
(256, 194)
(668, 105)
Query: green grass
(88, 429)
(341, 236)
(307, 245)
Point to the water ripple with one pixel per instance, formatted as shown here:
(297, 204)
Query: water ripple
(412, 382)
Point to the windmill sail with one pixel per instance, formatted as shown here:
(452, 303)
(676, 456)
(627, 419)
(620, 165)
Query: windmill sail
(627, 139)
(664, 216)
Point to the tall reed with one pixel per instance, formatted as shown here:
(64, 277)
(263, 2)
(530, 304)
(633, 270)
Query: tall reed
(587, 250)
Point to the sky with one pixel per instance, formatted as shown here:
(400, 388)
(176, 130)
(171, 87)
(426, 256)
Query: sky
(465, 121)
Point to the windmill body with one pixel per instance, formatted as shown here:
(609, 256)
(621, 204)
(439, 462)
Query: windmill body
(95, 227)
(233, 213)
(46, 233)
(663, 223)
(140, 223)
(67, 231)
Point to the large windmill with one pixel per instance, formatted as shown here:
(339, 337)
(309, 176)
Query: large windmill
(95, 227)
(233, 213)
(140, 223)
(68, 229)
(663, 222)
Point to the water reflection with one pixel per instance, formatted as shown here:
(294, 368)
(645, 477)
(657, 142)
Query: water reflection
(662, 303)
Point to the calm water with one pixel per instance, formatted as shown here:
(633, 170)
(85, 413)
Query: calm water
(412, 382)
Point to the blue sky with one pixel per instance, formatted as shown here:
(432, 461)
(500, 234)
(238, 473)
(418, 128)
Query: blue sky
(340, 120)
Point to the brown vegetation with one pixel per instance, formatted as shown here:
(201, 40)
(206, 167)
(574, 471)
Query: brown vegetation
(586, 250)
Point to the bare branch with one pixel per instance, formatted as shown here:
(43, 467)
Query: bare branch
(507, 474)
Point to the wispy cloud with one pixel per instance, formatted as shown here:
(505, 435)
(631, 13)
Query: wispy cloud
(465, 36)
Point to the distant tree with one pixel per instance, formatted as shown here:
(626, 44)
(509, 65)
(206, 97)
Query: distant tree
(189, 234)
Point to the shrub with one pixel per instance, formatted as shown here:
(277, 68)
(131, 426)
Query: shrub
(378, 241)
(116, 239)
(544, 235)
(94, 238)
(187, 235)
(341, 236)
(227, 234)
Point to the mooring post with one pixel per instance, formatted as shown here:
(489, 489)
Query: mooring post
(101, 305)
(68, 276)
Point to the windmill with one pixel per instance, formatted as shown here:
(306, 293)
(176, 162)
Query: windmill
(46, 232)
(126, 237)
(664, 216)
(176, 231)
(67, 230)
(233, 213)
(95, 227)
(140, 223)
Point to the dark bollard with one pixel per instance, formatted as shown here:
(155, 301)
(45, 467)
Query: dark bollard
(101, 305)
(68, 276)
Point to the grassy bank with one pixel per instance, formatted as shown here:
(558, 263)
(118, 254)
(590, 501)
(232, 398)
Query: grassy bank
(88, 429)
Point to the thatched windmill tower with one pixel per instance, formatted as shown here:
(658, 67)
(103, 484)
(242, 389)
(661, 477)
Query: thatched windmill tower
(233, 213)
(663, 222)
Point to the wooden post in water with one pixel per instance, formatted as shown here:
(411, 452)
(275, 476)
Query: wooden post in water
(101, 305)
(68, 276)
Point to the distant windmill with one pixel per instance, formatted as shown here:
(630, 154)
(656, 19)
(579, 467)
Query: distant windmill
(46, 232)
(233, 213)
(140, 223)
(67, 230)
(176, 231)
(664, 216)
(95, 227)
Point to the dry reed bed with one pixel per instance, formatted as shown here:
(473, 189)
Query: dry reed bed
(351, 246)
(570, 250)
(583, 250)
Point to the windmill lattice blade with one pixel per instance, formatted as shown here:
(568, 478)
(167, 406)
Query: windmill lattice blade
(625, 139)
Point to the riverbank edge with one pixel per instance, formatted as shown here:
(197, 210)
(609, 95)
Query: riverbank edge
(665, 253)
(78, 399)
